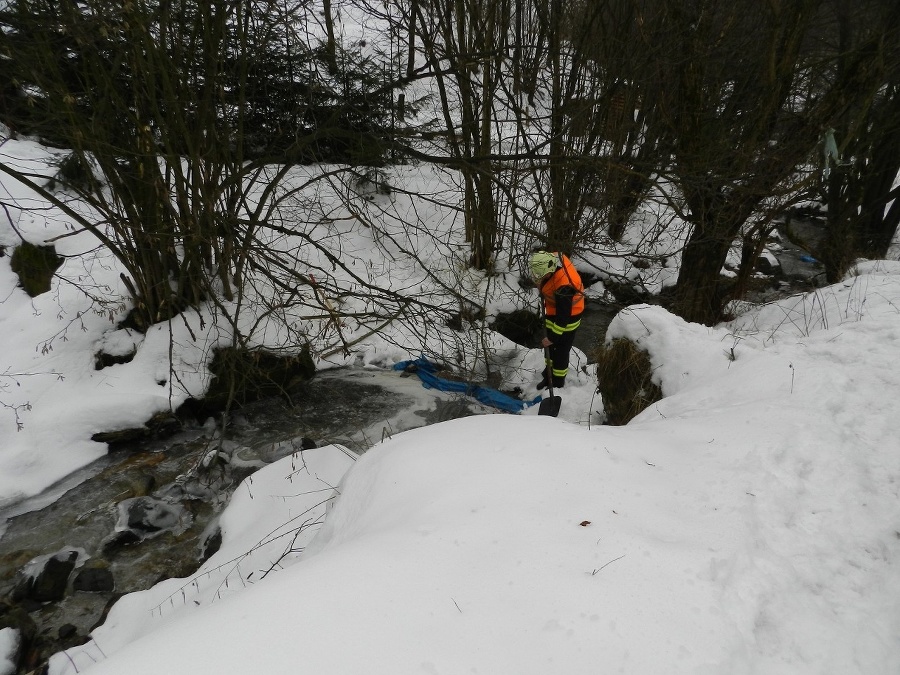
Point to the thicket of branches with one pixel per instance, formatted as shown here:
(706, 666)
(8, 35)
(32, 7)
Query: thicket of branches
(559, 118)
(576, 112)
(184, 121)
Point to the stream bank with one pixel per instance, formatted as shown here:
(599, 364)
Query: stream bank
(148, 511)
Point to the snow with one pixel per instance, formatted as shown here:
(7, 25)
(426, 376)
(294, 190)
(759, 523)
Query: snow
(9, 645)
(749, 522)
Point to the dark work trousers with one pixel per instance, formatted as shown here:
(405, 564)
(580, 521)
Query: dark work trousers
(559, 353)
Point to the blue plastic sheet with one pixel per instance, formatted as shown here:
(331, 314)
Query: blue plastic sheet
(427, 372)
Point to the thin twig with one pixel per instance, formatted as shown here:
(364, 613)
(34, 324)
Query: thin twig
(609, 563)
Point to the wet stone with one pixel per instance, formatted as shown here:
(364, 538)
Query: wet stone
(51, 582)
(211, 544)
(148, 515)
(67, 631)
(119, 540)
(94, 580)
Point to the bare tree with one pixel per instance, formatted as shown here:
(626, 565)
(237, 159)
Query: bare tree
(151, 104)
(464, 43)
(864, 160)
(161, 106)
(157, 104)
(734, 82)
(588, 146)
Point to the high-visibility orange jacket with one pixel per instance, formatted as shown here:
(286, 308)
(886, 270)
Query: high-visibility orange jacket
(563, 293)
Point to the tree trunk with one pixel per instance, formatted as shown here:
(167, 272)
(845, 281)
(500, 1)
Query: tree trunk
(699, 292)
(330, 42)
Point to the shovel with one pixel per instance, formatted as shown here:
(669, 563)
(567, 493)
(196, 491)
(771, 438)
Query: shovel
(550, 405)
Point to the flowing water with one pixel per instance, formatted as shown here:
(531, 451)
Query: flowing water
(149, 512)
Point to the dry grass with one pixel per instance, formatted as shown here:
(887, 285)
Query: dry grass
(625, 381)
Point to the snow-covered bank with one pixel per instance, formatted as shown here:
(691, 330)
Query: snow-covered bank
(747, 523)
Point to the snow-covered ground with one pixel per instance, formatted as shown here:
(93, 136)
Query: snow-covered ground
(747, 523)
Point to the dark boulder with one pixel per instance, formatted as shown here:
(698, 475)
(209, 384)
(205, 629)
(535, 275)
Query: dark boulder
(210, 545)
(35, 266)
(67, 631)
(94, 579)
(250, 375)
(162, 425)
(49, 585)
(148, 515)
(522, 326)
(120, 540)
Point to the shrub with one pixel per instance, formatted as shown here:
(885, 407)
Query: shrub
(73, 171)
(35, 266)
(624, 376)
(243, 375)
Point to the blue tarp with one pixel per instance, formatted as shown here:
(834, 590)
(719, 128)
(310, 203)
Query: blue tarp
(427, 372)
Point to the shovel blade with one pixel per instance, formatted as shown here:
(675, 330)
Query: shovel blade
(550, 406)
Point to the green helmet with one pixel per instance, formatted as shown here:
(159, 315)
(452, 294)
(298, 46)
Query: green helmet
(543, 263)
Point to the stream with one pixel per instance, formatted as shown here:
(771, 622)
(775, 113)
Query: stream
(149, 511)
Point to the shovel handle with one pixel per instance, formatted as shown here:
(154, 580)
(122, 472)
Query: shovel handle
(548, 362)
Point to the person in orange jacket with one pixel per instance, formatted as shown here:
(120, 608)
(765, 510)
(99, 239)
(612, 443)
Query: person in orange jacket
(562, 298)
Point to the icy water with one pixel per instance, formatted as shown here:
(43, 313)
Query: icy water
(354, 408)
(149, 512)
(594, 322)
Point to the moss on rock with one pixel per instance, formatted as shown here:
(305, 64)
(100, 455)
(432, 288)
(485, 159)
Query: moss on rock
(625, 380)
(35, 266)
(248, 375)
